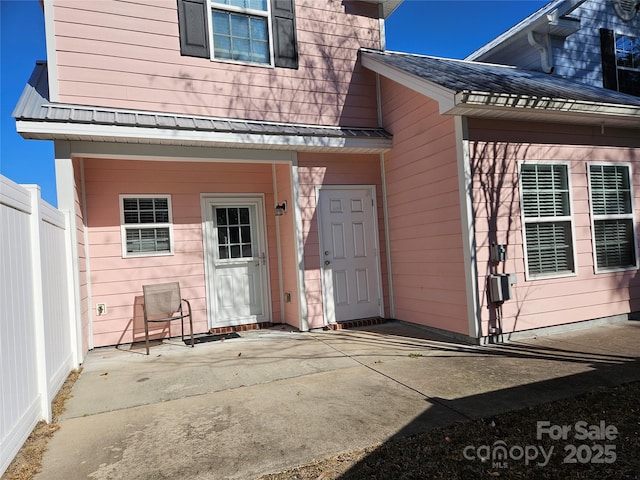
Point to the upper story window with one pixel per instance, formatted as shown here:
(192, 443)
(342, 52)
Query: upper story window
(612, 217)
(628, 62)
(546, 213)
(146, 225)
(241, 30)
(620, 62)
(249, 31)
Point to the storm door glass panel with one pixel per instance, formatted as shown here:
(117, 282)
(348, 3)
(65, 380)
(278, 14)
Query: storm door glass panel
(234, 233)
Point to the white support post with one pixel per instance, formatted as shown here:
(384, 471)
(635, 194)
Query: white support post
(303, 312)
(65, 186)
(38, 302)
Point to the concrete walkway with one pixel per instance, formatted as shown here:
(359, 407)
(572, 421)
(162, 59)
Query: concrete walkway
(273, 399)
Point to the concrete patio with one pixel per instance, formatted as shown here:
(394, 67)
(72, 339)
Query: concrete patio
(274, 398)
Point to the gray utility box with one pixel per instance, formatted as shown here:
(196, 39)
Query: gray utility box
(500, 287)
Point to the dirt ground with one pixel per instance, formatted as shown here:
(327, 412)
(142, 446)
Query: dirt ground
(29, 459)
(461, 450)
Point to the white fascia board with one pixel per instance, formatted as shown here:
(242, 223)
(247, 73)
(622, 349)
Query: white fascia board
(548, 14)
(551, 108)
(444, 96)
(97, 132)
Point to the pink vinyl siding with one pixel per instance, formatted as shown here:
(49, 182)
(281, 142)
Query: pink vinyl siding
(323, 169)
(495, 149)
(118, 281)
(125, 54)
(424, 212)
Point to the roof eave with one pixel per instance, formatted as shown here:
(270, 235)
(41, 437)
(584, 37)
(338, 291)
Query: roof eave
(543, 20)
(444, 96)
(530, 107)
(388, 6)
(44, 130)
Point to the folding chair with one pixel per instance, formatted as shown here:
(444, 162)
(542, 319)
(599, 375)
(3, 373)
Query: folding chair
(163, 303)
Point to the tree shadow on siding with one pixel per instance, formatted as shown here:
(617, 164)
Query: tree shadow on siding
(330, 87)
(496, 206)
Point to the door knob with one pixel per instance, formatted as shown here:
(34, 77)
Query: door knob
(327, 262)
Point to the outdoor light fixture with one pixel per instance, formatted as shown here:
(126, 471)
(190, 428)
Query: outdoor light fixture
(280, 209)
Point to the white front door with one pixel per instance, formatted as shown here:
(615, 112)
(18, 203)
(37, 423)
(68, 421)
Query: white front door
(349, 253)
(237, 264)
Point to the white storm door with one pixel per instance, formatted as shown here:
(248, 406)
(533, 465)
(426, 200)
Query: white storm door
(349, 253)
(236, 254)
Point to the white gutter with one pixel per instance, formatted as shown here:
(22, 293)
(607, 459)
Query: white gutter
(546, 105)
(95, 132)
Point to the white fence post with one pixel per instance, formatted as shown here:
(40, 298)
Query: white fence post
(38, 319)
(38, 301)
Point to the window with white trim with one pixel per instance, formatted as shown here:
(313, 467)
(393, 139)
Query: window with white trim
(146, 225)
(612, 217)
(628, 63)
(620, 55)
(546, 213)
(240, 30)
(259, 32)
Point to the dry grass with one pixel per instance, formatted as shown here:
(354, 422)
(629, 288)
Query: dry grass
(28, 461)
(438, 454)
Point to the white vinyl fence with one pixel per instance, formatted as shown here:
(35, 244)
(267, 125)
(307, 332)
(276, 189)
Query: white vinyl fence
(37, 328)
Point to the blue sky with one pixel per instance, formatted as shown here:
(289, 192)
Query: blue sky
(445, 28)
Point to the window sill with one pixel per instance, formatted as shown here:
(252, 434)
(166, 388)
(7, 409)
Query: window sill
(549, 276)
(270, 66)
(149, 254)
(600, 271)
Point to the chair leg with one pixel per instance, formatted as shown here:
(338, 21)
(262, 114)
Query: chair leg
(146, 335)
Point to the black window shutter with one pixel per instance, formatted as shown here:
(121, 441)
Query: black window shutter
(192, 21)
(285, 46)
(608, 53)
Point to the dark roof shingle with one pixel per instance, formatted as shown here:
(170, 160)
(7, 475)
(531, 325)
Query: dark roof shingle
(466, 76)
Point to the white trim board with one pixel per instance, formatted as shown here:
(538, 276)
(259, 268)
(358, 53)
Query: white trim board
(115, 133)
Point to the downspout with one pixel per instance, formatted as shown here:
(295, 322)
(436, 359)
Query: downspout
(467, 216)
(544, 46)
(87, 256)
(385, 208)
